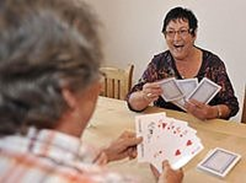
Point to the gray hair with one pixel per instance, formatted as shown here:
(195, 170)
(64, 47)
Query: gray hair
(38, 56)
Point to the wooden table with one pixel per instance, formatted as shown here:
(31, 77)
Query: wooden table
(112, 117)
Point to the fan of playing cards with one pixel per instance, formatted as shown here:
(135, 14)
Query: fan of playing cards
(166, 138)
(180, 91)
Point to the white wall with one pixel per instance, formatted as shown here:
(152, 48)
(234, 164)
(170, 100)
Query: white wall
(132, 33)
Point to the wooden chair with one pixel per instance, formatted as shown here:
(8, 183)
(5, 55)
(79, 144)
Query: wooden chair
(117, 82)
(243, 118)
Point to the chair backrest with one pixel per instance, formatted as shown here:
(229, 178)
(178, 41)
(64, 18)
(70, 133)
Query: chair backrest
(243, 118)
(117, 82)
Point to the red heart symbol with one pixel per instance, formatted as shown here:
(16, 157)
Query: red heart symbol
(178, 153)
(188, 143)
(164, 125)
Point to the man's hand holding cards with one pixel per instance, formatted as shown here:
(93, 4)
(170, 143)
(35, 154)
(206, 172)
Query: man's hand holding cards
(166, 139)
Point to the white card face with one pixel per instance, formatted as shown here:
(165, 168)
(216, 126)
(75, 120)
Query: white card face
(171, 90)
(148, 126)
(205, 91)
(166, 138)
(188, 153)
(219, 162)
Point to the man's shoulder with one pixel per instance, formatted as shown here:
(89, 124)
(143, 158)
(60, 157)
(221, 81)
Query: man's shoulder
(47, 170)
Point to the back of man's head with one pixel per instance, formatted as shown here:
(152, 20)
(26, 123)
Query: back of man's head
(38, 56)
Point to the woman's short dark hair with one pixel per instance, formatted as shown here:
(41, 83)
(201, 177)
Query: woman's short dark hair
(181, 13)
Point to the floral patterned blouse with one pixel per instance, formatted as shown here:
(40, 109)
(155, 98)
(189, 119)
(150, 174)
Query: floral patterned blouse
(163, 66)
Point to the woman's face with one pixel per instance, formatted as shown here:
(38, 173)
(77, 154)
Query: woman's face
(178, 38)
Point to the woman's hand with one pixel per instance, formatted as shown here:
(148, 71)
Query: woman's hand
(201, 110)
(168, 175)
(151, 91)
(124, 146)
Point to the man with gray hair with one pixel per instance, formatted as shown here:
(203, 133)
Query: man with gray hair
(49, 84)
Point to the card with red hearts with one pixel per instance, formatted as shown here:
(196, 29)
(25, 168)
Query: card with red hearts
(166, 138)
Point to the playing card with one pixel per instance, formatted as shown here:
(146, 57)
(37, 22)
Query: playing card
(185, 152)
(162, 150)
(219, 162)
(186, 86)
(158, 151)
(149, 127)
(166, 138)
(177, 155)
(205, 91)
(181, 141)
(177, 126)
(180, 103)
(171, 90)
(177, 151)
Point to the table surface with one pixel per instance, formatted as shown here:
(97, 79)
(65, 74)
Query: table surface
(112, 117)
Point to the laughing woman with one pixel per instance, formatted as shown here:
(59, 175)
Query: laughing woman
(184, 60)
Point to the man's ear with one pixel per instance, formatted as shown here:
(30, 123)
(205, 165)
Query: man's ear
(69, 97)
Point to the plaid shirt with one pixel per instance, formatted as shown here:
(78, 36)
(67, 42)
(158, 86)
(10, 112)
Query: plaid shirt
(50, 156)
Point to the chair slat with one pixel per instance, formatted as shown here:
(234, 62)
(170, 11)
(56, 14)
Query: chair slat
(117, 82)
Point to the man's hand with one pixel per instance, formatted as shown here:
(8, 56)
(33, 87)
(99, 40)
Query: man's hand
(124, 146)
(168, 175)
